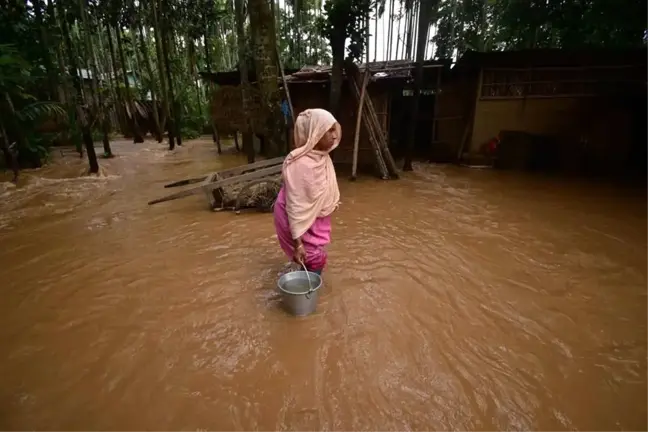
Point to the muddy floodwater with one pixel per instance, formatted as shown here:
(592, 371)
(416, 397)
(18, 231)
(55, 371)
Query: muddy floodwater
(455, 298)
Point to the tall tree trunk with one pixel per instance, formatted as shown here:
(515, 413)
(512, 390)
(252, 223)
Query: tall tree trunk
(390, 27)
(367, 36)
(105, 71)
(193, 69)
(44, 41)
(337, 50)
(10, 159)
(409, 29)
(399, 39)
(248, 143)
(137, 137)
(273, 8)
(265, 41)
(149, 72)
(423, 27)
(297, 10)
(103, 110)
(376, 36)
(483, 28)
(61, 66)
(453, 25)
(78, 100)
(157, 18)
(210, 86)
(91, 54)
(63, 83)
(120, 103)
(166, 29)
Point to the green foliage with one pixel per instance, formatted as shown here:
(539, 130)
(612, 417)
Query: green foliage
(189, 133)
(38, 111)
(21, 116)
(15, 72)
(34, 70)
(299, 39)
(512, 24)
(36, 149)
(345, 19)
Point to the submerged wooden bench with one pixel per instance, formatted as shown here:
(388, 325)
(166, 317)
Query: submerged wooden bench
(248, 186)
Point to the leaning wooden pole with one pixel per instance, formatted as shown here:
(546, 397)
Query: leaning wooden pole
(372, 124)
(389, 159)
(373, 139)
(285, 84)
(356, 142)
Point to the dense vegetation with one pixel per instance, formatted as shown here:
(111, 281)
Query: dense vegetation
(73, 70)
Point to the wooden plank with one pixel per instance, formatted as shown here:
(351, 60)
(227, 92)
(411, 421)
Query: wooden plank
(256, 165)
(185, 182)
(229, 172)
(207, 186)
(266, 172)
(178, 195)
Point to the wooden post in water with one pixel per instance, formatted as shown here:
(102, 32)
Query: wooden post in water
(356, 142)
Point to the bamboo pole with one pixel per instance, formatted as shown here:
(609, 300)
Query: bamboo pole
(373, 125)
(372, 137)
(356, 142)
(391, 164)
(381, 140)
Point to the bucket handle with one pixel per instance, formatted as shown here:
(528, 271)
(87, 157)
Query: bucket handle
(310, 285)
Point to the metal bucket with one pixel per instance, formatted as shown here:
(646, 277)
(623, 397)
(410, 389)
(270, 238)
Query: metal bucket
(298, 296)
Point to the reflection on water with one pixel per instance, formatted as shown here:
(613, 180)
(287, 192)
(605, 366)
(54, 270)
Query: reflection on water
(455, 299)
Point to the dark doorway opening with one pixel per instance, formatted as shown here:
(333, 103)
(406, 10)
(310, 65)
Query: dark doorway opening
(399, 123)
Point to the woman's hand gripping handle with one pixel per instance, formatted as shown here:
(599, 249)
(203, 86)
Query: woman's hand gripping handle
(300, 252)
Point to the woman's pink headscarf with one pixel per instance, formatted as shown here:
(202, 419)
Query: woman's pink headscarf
(309, 177)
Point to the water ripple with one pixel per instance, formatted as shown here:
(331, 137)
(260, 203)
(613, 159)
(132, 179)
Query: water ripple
(451, 301)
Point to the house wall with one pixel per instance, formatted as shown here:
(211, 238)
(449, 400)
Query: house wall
(598, 128)
(456, 101)
(541, 116)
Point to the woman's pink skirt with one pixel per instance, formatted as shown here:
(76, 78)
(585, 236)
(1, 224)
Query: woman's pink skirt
(315, 239)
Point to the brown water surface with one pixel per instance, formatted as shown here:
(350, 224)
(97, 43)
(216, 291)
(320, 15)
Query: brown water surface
(454, 299)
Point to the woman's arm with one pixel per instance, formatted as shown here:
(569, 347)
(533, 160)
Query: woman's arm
(300, 251)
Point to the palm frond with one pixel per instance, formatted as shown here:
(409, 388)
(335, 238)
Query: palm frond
(38, 110)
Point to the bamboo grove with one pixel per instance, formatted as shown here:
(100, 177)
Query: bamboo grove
(79, 71)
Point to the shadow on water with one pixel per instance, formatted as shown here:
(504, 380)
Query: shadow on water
(455, 299)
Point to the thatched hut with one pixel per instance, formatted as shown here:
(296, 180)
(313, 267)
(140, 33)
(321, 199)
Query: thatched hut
(309, 87)
(389, 90)
(227, 103)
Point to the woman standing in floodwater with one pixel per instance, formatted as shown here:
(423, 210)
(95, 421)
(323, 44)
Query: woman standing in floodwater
(310, 193)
